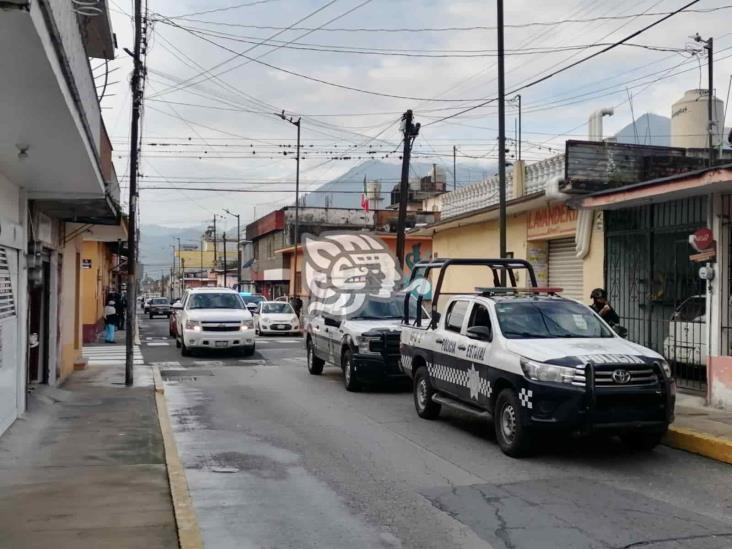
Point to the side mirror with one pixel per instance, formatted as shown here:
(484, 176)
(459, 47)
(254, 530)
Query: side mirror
(177, 305)
(622, 331)
(481, 333)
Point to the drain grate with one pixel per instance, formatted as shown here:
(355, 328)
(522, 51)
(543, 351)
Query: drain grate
(188, 374)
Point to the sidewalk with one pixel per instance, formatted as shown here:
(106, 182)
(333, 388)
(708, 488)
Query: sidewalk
(85, 466)
(701, 430)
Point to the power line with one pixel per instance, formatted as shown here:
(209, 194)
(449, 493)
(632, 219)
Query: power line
(226, 8)
(571, 65)
(460, 29)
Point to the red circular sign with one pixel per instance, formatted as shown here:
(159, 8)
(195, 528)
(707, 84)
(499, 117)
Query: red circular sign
(703, 238)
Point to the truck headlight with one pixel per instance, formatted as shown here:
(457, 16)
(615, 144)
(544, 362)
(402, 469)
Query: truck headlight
(369, 344)
(247, 325)
(665, 368)
(194, 325)
(539, 371)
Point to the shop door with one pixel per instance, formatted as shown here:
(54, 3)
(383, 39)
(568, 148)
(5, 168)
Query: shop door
(9, 361)
(565, 268)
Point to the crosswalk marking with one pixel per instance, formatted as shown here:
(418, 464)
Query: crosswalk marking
(110, 355)
(157, 344)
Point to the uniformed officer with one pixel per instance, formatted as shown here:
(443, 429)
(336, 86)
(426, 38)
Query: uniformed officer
(602, 307)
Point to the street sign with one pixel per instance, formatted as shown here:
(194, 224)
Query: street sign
(86, 263)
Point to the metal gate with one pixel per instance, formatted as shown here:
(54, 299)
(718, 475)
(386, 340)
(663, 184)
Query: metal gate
(565, 268)
(8, 337)
(654, 286)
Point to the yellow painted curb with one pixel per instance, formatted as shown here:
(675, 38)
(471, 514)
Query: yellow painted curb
(189, 534)
(699, 443)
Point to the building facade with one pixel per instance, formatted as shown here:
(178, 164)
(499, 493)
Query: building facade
(55, 171)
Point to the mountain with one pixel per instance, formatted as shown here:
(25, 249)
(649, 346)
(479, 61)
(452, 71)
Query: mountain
(345, 190)
(156, 254)
(651, 129)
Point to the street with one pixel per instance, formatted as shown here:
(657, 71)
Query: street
(276, 457)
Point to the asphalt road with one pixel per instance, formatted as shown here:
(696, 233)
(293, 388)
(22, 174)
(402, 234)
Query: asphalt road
(276, 457)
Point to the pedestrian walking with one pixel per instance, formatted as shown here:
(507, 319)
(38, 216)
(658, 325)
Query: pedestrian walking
(121, 306)
(601, 306)
(110, 321)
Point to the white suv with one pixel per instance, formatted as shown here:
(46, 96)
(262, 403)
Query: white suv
(214, 318)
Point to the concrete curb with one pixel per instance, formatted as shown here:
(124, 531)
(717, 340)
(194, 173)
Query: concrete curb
(189, 534)
(703, 444)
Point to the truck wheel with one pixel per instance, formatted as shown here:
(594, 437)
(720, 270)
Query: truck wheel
(184, 351)
(349, 376)
(247, 351)
(315, 364)
(513, 438)
(641, 441)
(426, 407)
(150, 315)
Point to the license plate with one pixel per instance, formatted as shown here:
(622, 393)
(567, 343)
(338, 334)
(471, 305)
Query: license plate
(221, 343)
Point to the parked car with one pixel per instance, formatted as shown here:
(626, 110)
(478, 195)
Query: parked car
(252, 301)
(276, 317)
(214, 318)
(365, 345)
(530, 361)
(158, 306)
(172, 322)
(686, 342)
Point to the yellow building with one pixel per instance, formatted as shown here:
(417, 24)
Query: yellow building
(565, 247)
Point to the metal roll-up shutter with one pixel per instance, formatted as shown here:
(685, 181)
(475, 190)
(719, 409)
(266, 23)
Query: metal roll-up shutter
(8, 337)
(565, 268)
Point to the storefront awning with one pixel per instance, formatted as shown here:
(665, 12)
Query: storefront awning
(695, 183)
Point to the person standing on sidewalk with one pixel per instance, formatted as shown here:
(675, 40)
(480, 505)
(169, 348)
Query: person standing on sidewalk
(601, 306)
(121, 306)
(110, 321)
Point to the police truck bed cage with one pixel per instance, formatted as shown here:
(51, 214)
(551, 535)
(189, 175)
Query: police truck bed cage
(501, 269)
(502, 290)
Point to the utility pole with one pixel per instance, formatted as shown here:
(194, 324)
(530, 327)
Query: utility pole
(136, 94)
(501, 138)
(410, 132)
(709, 46)
(518, 99)
(215, 251)
(202, 261)
(238, 246)
(225, 271)
(454, 167)
(182, 275)
(296, 123)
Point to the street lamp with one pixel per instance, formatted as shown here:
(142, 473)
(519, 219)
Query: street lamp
(297, 196)
(238, 246)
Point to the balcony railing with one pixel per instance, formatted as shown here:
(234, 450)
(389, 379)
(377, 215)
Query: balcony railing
(484, 194)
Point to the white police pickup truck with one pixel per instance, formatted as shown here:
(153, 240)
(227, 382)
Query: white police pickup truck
(532, 361)
(364, 345)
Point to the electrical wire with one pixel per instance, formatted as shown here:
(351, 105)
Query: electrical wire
(571, 65)
(458, 29)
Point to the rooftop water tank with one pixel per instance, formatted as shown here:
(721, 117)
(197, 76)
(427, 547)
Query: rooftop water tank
(689, 120)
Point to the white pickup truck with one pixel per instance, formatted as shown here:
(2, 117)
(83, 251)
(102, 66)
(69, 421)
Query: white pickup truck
(530, 360)
(365, 345)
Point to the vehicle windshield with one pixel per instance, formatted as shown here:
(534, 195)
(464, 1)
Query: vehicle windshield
(160, 301)
(215, 301)
(691, 310)
(254, 298)
(390, 309)
(548, 319)
(277, 308)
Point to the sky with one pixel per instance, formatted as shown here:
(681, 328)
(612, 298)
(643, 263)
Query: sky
(219, 72)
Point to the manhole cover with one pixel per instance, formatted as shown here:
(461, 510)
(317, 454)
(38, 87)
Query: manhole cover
(188, 373)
